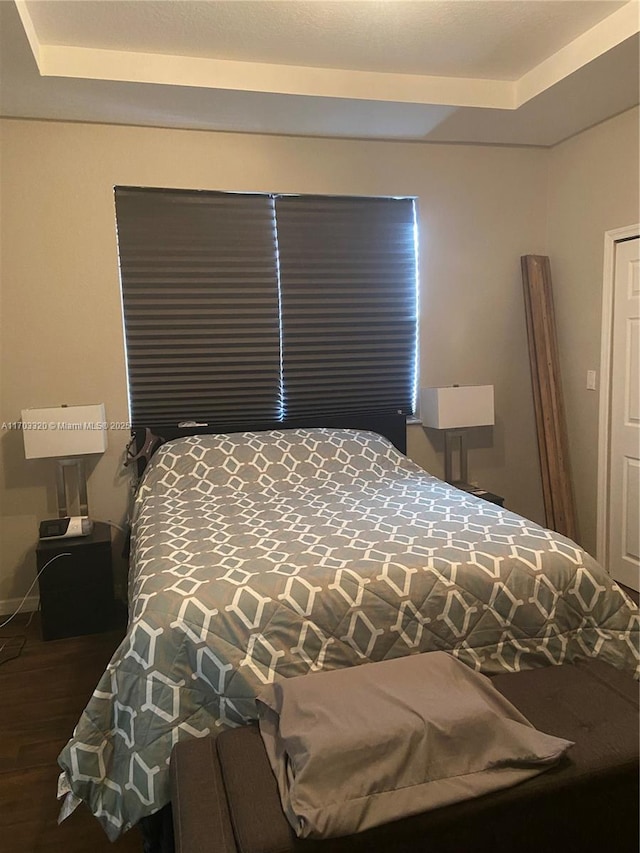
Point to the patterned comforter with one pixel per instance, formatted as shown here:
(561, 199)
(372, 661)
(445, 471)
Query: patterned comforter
(266, 555)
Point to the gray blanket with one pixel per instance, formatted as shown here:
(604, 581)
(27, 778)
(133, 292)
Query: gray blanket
(266, 555)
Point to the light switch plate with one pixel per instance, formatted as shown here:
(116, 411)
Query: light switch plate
(591, 380)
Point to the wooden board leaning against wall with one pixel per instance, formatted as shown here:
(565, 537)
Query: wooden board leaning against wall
(547, 395)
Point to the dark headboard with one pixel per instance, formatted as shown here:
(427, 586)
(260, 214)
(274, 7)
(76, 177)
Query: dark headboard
(146, 440)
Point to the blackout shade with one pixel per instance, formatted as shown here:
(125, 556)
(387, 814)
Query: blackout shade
(349, 304)
(249, 309)
(201, 309)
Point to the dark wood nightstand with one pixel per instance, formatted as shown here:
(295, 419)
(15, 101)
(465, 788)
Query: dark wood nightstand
(482, 493)
(76, 591)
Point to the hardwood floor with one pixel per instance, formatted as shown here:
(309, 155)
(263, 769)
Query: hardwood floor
(42, 694)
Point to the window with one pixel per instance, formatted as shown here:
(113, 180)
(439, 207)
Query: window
(249, 308)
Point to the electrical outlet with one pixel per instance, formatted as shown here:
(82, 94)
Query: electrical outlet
(591, 380)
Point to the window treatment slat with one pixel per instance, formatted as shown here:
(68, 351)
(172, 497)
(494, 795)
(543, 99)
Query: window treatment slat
(349, 303)
(198, 275)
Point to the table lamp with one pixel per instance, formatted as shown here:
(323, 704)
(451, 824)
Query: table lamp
(68, 434)
(455, 409)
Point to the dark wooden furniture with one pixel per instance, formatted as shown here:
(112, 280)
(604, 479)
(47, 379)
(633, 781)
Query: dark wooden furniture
(76, 589)
(483, 493)
(147, 439)
(225, 797)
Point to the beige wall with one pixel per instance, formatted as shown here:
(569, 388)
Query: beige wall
(480, 209)
(593, 188)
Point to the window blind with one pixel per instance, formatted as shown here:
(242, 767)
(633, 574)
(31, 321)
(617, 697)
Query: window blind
(201, 306)
(349, 304)
(247, 309)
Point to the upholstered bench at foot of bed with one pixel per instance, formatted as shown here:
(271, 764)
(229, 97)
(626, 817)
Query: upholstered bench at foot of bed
(225, 798)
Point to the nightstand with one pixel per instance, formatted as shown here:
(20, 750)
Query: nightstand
(76, 591)
(482, 493)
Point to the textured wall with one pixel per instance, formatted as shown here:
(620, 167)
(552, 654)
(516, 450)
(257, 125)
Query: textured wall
(593, 188)
(480, 209)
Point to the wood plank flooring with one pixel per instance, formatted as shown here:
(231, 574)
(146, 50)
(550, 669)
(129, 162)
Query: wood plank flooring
(42, 694)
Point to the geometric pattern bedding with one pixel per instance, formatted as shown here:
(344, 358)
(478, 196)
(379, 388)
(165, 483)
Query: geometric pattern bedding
(267, 555)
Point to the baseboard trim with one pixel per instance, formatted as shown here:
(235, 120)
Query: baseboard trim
(8, 606)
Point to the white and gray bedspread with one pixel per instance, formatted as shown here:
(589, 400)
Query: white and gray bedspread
(266, 555)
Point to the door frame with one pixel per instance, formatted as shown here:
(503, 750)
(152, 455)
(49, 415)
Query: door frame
(611, 238)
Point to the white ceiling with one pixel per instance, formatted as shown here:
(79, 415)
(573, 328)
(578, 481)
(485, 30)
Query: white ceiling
(498, 71)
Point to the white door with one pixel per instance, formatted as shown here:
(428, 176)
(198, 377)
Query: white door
(624, 459)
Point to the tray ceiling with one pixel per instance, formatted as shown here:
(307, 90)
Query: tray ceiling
(497, 71)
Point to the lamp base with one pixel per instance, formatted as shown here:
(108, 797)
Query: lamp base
(65, 528)
(63, 466)
(452, 437)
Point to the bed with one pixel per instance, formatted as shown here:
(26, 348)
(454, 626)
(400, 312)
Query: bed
(263, 555)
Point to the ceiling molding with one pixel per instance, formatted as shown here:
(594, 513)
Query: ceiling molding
(30, 30)
(208, 73)
(127, 66)
(597, 41)
(589, 80)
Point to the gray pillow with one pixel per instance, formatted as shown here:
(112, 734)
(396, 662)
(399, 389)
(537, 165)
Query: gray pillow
(355, 748)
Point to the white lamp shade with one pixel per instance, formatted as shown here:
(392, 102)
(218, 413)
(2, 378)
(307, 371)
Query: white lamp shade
(457, 406)
(64, 431)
